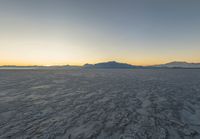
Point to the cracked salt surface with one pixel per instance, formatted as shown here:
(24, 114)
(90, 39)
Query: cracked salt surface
(101, 104)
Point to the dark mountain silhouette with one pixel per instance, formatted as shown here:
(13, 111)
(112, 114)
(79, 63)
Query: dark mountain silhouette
(110, 64)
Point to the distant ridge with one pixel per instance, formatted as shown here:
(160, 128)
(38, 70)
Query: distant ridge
(40, 67)
(180, 64)
(110, 64)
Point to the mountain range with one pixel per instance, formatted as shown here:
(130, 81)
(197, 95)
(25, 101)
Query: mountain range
(110, 65)
(114, 64)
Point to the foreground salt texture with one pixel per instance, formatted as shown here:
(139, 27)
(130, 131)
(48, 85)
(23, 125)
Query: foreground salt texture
(102, 104)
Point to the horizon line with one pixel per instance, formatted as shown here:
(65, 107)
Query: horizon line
(35, 65)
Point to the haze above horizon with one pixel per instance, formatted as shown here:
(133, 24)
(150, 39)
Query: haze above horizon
(140, 32)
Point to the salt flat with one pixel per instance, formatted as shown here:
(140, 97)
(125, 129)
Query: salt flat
(100, 104)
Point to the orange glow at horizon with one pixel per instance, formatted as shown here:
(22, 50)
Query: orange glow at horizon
(45, 53)
(144, 62)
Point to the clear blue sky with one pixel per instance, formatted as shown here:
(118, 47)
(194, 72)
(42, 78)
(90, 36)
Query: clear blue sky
(141, 32)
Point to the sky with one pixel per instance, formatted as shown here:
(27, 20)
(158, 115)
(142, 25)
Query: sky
(60, 32)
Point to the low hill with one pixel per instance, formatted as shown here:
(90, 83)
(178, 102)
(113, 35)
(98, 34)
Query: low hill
(180, 64)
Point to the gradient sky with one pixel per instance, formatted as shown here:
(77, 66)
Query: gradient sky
(58, 32)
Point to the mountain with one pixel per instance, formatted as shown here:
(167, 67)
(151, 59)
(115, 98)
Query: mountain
(110, 64)
(179, 64)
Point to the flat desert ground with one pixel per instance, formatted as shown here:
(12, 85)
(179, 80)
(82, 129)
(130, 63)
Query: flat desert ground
(100, 104)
